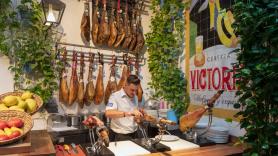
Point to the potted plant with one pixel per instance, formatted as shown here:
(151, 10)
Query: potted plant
(257, 73)
(164, 49)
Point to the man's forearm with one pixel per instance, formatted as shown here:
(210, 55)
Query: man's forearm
(117, 114)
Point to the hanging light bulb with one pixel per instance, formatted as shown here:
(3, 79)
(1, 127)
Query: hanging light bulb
(53, 11)
(50, 16)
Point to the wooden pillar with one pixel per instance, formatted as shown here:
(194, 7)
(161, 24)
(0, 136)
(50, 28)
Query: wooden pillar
(187, 45)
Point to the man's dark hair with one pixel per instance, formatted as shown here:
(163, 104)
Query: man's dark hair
(133, 79)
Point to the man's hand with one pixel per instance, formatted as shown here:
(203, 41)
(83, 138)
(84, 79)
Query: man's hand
(137, 113)
(134, 113)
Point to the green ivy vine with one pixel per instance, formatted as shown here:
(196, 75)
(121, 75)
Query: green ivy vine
(164, 48)
(256, 22)
(29, 44)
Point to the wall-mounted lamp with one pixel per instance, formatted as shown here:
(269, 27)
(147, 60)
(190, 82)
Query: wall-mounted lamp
(53, 11)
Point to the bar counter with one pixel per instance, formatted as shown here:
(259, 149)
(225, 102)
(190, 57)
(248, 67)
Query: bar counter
(213, 150)
(42, 145)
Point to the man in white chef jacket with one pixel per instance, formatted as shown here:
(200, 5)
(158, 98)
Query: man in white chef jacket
(122, 108)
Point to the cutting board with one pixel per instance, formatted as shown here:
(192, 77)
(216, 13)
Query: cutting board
(180, 144)
(21, 146)
(126, 148)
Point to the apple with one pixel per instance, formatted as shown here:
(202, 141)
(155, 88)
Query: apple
(31, 105)
(3, 124)
(22, 104)
(4, 137)
(10, 100)
(16, 129)
(14, 134)
(16, 123)
(26, 95)
(8, 131)
(2, 132)
(16, 108)
(3, 107)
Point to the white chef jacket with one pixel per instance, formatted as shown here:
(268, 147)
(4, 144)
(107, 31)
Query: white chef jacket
(121, 102)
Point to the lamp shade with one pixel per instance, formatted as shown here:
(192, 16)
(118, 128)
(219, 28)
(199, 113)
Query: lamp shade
(53, 11)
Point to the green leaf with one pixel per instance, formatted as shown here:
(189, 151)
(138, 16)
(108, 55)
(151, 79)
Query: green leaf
(236, 105)
(250, 102)
(274, 60)
(265, 146)
(246, 71)
(229, 120)
(254, 154)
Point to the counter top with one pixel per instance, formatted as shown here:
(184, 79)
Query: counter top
(41, 145)
(214, 150)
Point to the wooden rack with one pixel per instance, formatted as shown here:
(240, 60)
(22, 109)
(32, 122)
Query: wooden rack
(107, 58)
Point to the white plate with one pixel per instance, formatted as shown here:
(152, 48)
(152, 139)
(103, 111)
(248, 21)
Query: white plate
(202, 125)
(217, 134)
(168, 138)
(218, 140)
(219, 129)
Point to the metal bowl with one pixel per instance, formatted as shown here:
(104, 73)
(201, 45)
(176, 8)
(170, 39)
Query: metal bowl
(55, 120)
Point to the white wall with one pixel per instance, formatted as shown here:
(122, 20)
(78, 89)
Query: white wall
(6, 77)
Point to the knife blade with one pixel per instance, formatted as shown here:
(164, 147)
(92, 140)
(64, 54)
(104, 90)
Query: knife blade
(74, 148)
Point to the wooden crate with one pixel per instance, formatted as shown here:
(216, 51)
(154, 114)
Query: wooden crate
(21, 146)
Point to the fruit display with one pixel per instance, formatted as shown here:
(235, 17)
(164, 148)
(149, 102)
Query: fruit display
(11, 129)
(14, 125)
(21, 101)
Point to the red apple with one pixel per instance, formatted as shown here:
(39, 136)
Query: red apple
(15, 134)
(3, 124)
(4, 137)
(16, 123)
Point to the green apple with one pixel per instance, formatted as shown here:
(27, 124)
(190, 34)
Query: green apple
(3, 107)
(26, 95)
(31, 105)
(8, 131)
(18, 98)
(13, 128)
(22, 104)
(16, 108)
(10, 100)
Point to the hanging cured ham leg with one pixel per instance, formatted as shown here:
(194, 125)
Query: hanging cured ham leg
(112, 83)
(85, 24)
(140, 90)
(64, 90)
(104, 31)
(90, 88)
(140, 36)
(95, 22)
(121, 28)
(134, 33)
(127, 26)
(189, 120)
(125, 73)
(73, 81)
(113, 29)
(80, 95)
(99, 95)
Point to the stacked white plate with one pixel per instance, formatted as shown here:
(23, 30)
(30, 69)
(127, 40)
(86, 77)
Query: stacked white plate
(200, 127)
(218, 134)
